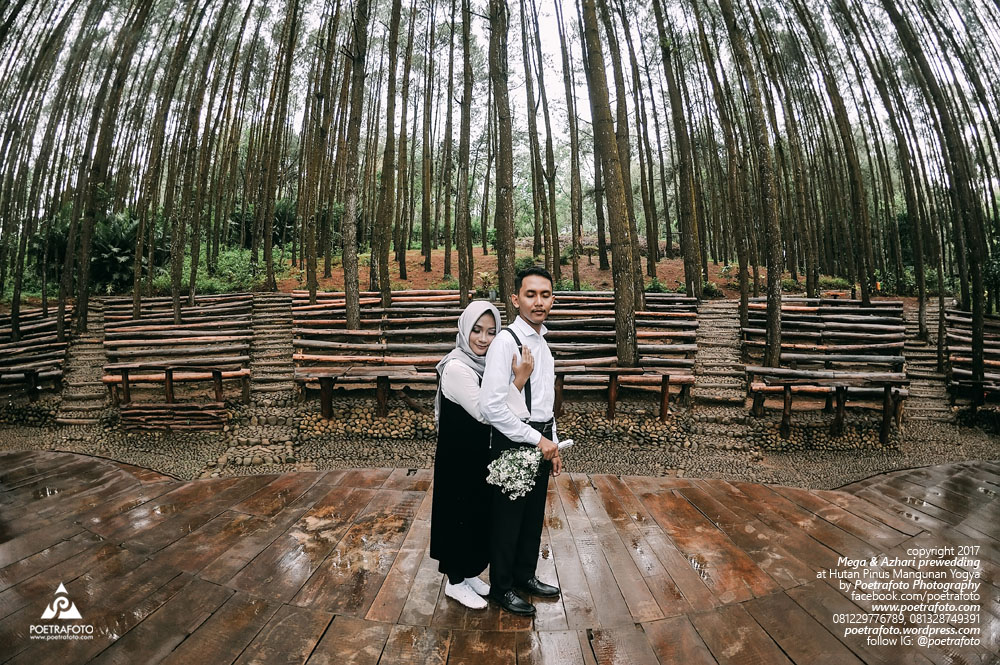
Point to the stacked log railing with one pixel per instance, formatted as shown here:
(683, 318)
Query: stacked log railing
(35, 361)
(958, 348)
(183, 368)
(401, 344)
(837, 349)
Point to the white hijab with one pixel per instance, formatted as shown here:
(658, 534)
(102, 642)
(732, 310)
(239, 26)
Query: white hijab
(463, 352)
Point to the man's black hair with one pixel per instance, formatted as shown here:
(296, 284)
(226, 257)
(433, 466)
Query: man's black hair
(533, 270)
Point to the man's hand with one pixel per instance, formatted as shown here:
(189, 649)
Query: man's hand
(548, 447)
(556, 465)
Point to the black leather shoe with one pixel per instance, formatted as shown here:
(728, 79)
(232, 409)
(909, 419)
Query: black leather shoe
(513, 603)
(535, 587)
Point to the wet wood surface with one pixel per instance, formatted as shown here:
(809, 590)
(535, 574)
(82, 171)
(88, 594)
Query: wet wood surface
(333, 567)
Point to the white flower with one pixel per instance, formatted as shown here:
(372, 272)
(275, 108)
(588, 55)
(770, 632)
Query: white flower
(515, 470)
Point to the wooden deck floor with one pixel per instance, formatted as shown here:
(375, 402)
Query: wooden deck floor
(332, 567)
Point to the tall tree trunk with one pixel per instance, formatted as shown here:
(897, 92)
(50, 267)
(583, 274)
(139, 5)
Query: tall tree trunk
(359, 52)
(765, 186)
(621, 245)
(503, 220)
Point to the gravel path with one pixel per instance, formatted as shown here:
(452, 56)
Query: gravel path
(716, 442)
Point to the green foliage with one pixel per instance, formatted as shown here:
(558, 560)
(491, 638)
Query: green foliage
(711, 290)
(834, 283)
(234, 272)
(448, 282)
(792, 286)
(566, 284)
(491, 238)
(113, 254)
(566, 255)
(656, 286)
(525, 262)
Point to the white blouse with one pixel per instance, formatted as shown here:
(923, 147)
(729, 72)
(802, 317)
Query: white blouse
(460, 384)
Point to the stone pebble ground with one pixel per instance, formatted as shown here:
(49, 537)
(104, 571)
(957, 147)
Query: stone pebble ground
(280, 434)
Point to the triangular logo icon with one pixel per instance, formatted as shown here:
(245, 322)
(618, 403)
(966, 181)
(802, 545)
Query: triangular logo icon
(62, 607)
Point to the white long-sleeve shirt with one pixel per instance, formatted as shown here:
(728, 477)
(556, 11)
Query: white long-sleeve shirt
(498, 376)
(460, 384)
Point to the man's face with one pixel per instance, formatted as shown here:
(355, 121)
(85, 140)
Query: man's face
(534, 300)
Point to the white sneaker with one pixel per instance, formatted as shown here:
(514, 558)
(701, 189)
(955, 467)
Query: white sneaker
(464, 594)
(477, 585)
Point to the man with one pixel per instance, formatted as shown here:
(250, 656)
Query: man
(516, 529)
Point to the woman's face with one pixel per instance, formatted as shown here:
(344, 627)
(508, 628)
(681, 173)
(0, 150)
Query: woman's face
(483, 332)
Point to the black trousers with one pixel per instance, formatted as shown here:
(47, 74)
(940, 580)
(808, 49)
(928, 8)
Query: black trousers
(516, 531)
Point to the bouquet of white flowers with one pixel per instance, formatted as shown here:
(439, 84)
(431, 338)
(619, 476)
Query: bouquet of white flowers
(515, 470)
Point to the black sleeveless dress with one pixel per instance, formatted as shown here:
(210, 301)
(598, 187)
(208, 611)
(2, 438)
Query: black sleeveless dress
(460, 507)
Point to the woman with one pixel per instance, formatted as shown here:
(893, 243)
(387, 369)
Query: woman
(460, 506)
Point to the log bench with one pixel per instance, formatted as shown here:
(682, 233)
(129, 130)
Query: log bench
(841, 385)
(124, 375)
(211, 343)
(328, 377)
(958, 351)
(173, 417)
(35, 361)
(402, 343)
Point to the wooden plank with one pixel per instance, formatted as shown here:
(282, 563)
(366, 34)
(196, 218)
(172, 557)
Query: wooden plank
(611, 608)
(641, 604)
(112, 597)
(822, 601)
(347, 582)
(473, 647)
(351, 641)
(409, 480)
(575, 602)
(877, 535)
(104, 559)
(759, 542)
(40, 561)
(233, 560)
(224, 635)
(551, 647)
(726, 569)
(196, 550)
(279, 493)
(391, 598)
(289, 637)
(675, 640)
(734, 638)
(621, 646)
(550, 613)
(285, 565)
(416, 644)
(158, 634)
(192, 517)
(792, 536)
(868, 511)
(681, 576)
(774, 507)
(370, 478)
(418, 610)
(800, 636)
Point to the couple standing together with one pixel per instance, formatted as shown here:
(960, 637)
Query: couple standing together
(496, 391)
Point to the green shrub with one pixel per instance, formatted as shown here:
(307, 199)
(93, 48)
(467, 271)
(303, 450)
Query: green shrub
(566, 284)
(711, 290)
(834, 283)
(656, 286)
(449, 283)
(566, 255)
(791, 286)
(525, 262)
